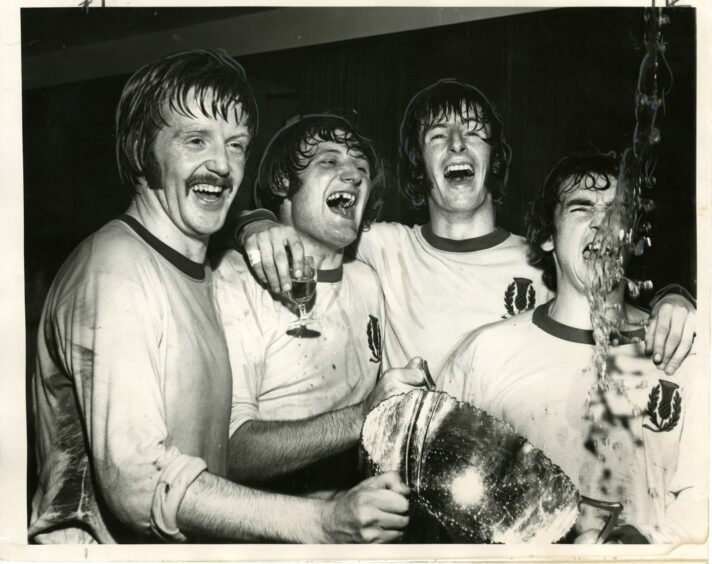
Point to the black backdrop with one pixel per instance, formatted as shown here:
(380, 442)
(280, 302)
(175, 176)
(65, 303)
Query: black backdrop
(560, 79)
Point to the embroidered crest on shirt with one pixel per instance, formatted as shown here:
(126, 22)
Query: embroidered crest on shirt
(374, 338)
(519, 296)
(664, 407)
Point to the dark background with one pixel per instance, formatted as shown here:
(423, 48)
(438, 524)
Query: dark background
(560, 79)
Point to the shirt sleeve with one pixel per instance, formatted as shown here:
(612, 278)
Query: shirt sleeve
(374, 240)
(685, 519)
(110, 329)
(672, 289)
(244, 218)
(238, 299)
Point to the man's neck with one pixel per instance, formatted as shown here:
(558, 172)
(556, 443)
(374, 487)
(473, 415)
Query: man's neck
(325, 258)
(570, 307)
(148, 211)
(462, 225)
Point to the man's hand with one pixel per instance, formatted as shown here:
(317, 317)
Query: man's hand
(627, 534)
(396, 381)
(374, 511)
(265, 243)
(671, 332)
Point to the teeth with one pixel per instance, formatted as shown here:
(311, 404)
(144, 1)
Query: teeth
(207, 188)
(459, 167)
(343, 199)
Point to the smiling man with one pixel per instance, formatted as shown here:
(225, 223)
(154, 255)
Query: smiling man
(636, 441)
(460, 270)
(299, 401)
(132, 385)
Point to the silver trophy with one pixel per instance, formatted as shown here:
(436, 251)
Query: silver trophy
(472, 473)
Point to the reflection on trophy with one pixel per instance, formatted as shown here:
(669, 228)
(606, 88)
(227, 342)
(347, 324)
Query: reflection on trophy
(480, 480)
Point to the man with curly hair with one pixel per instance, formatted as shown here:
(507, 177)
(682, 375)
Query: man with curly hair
(132, 384)
(633, 439)
(460, 270)
(300, 394)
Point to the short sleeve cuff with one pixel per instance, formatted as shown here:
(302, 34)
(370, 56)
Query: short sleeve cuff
(173, 482)
(240, 417)
(672, 289)
(244, 219)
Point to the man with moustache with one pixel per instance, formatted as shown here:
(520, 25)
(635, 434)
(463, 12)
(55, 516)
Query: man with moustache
(132, 383)
(460, 270)
(299, 398)
(635, 441)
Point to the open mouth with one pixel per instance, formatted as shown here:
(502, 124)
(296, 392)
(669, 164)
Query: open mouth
(342, 203)
(459, 172)
(587, 251)
(208, 192)
(596, 250)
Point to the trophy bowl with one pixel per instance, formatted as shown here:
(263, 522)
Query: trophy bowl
(472, 473)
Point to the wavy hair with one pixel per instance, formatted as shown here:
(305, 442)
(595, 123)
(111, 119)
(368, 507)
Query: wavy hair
(213, 79)
(588, 167)
(431, 105)
(291, 150)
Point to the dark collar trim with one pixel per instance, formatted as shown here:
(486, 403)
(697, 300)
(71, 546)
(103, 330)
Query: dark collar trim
(465, 245)
(333, 275)
(185, 265)
(541, 319)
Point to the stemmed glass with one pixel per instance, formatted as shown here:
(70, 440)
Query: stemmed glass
(302, 292)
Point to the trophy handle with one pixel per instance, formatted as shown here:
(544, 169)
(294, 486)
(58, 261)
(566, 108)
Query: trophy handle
(429, 382)
(613, 507)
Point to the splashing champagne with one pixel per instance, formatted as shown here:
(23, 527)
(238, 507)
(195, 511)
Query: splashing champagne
(621, 230)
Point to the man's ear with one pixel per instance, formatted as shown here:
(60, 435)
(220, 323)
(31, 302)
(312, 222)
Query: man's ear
(285, 212)
(548, 245)
(283, 188)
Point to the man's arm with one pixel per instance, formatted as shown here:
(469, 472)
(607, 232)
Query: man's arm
(671, 332)
(376, 510)
(264, 240)
(154, 488)
(109, 325)
(262, 450)
(260, 236)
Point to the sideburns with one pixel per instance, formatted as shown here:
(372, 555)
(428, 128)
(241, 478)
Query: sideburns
(152, 173)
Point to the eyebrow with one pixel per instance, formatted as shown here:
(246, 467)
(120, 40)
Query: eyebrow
(582, 201)
(330, 150)
(205, 131)
(338, 152)
(469, 122)
(241, 135)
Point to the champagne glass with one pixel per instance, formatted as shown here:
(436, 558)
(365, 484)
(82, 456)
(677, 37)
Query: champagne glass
(302, 292)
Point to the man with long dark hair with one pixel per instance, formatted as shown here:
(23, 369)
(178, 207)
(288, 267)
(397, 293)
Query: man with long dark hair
(132, 384)
(460, 270)
(299, 398)
(630, 437)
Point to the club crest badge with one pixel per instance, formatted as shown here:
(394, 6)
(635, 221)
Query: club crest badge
(664, 407)
(373, 331)
(519, 296)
